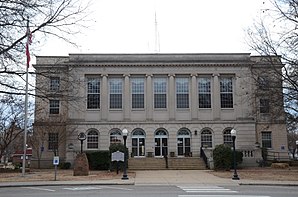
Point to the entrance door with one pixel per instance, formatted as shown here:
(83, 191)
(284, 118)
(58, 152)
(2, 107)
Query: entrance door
(138, 143)
(138, 147)
(183, 143)
(183, 146)
(161, 143)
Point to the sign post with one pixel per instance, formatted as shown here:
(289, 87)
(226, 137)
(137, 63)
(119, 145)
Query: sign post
(56, 163)
(117, 156)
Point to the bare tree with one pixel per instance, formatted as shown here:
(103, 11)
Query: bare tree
(11, 124)
(276, 35)
(47, 18)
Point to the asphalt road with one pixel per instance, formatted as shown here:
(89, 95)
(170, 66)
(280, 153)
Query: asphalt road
(187, 190)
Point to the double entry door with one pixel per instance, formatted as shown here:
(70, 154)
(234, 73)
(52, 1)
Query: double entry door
(183, 144)
(138, 147)
(161, 146)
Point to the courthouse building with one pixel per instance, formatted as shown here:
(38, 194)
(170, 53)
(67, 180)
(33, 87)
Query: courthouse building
(171, 104)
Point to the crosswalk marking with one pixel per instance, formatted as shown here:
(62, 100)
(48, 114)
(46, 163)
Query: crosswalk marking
(205, 189)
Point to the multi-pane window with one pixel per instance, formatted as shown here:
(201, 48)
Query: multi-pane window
(160, 93)
(204, 90)
(53, 141)
(54, 84)
(263, 82)
(115, 136)
(182, 92)
(227, 138)
(206, 138)
(54, 106)
(264, 106)
(137, 92)
(92, 139)
(115, 87)
(266, 139)
(93, 93)
(226, 92)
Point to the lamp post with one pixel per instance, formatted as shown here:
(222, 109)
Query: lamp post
(124, 133)
(233, 134)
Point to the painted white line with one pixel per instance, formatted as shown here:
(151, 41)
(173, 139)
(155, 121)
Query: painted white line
(220, 196)
(210, 191)
(200, 187)
(206, 189)
(41, 189)
(81, 188)
(117, 188)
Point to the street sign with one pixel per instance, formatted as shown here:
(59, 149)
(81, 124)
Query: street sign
(56, 161)
(118, 156)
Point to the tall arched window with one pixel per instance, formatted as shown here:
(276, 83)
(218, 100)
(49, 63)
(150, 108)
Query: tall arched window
(92, 139)
(206, 138)
(227, 138)
(183, 142)
(115, 136)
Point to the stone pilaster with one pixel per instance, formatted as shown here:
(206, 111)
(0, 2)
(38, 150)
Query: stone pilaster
(104, 97)
(149, 97)
(194, 97)
(126, 97)
(172, 96)
(216, 97)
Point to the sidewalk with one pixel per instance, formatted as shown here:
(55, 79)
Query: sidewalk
(154, 177)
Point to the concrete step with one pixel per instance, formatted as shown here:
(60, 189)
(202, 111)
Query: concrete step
(186, 163)
(146, 163)
(179, 163)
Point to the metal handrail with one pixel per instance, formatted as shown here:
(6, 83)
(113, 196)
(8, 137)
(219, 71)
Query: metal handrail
(204, 157)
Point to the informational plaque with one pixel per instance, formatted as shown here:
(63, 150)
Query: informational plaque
(118, 156)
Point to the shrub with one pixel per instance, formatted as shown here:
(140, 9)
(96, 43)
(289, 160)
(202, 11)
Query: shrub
(99, 160)
(222, 157)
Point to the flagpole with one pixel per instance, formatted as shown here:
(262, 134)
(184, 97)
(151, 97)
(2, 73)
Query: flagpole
(26, 108)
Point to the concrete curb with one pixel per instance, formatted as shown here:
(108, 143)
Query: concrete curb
(271, 184)
(62, 183)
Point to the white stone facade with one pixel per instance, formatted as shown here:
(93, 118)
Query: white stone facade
(229, 77)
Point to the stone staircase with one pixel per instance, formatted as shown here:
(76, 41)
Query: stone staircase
(148, 163)
(186, 163)
(174, 163)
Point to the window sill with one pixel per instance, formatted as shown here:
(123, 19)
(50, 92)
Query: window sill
(116, 110)
(92, 109)
(140, 109)
(183, 109)
(54, 115)
(160, 109)
(227, 109)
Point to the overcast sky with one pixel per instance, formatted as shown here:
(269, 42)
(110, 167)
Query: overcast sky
(184, 26)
